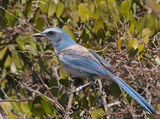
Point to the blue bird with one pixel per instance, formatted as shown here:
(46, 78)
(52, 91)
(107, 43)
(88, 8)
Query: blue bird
(81, 62)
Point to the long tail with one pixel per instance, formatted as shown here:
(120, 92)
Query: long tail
(132, 92)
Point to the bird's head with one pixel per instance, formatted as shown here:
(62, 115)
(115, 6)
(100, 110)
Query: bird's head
(58, 38)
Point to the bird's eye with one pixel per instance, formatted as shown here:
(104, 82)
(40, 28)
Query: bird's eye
(51, 32)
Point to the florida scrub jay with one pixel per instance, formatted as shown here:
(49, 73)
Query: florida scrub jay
(81, 62)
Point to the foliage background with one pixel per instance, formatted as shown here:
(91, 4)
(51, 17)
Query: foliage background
(124, 32)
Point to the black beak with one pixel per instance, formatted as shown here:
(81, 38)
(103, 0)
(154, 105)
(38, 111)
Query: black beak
(38, 35)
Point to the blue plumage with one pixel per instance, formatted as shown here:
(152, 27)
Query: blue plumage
(81, 62)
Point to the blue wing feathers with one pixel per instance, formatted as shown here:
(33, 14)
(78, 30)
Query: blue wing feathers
(83, 64)
(101, 59)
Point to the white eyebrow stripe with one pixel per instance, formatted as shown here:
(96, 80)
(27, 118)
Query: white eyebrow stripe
(57, 30)
(52, 30)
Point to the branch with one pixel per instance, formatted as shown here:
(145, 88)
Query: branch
(69, 104)
(103, 97)
(115, 113)
(18, 100)
(54, 100)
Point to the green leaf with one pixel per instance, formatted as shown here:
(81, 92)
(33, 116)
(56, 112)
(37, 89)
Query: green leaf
(132, 52)
(36, 14)
(46, 106)
(55, 59)
(43, 5)
(140, 24)
(5, 106)
(119, 44)
(84, 102)
(13, 68)
(51, 8)
(82, 10)
(33, 45)
(5, 57)
(98, 24)
(150, 116)
(63, 73)
(53, 82)
(140, 48)
(133, 43)
(107, 33)
(39, 24)
(37, 108)
(145, 35)
(158, 107)
(15, 108)
(91, 100)
(96, 113)
(10, 19)
(17, 60)
(28, 8)
(59, 9)
(133, 23)
(20, 43)
(26, 108)
(157, 60)
(98, 2)
(64, 82)
(84, 36)
(45, 98)
(12, 116)
(63, 99)
(125, 8)
(114, 89)
(53, 85)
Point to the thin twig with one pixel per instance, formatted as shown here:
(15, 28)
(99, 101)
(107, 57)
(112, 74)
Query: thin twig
(25, 86)
(103, 97)
(115, 113)
(69, 104)
(19, 19)
(54, 99)
(17, 100)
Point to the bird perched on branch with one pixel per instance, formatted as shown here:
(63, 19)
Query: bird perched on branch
(81, 62)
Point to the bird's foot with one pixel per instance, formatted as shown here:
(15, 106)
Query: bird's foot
(79, 88)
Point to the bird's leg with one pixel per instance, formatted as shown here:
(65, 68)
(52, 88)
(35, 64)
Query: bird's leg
(80, 87)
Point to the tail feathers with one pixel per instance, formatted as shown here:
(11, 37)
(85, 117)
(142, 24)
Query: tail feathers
(132, 92)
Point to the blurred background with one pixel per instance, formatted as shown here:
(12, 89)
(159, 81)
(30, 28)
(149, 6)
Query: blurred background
(124, 32)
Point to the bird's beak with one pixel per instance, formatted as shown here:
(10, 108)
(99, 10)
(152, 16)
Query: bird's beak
(38, 35)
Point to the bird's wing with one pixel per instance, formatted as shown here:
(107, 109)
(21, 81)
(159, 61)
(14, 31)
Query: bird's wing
(82, 59)
(101, 60)
(84, 64)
